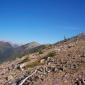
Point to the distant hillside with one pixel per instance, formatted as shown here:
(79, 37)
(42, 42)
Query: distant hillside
(10, 52)
(6, 50)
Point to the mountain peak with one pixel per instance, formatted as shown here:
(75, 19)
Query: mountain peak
(3, 43)
(32, 44)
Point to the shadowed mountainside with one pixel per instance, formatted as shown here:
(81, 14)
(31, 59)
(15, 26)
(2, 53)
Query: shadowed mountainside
(10, 52)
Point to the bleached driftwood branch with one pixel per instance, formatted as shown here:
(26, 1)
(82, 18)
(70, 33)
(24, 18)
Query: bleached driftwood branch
(24, 80)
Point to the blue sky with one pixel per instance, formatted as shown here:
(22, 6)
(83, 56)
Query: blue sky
(44, 21)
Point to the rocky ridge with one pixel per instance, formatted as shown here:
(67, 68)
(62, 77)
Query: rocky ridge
(62, 63)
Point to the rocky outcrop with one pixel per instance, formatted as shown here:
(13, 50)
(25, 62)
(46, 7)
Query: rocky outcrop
(58, 64)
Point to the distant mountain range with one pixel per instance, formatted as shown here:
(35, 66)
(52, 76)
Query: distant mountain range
(9, 51)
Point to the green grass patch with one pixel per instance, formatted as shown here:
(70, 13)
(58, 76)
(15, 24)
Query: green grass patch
(33, 64)
(50, 54)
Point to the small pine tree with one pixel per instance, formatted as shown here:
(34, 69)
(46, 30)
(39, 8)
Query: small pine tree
(65, 39)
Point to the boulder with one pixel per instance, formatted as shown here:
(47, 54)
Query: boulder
(42, 61)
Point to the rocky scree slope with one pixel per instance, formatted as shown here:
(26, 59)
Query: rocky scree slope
(62, 63)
